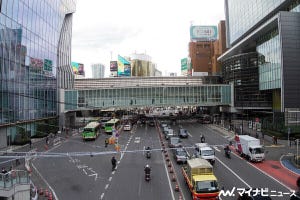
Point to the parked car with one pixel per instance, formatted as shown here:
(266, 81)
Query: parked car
(183, 133)
(174, 142)
(180, 155)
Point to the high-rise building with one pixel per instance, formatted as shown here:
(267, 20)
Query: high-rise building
(98, 70)
(35, 65)
(264, 37)
(141, 65)
(206, 45)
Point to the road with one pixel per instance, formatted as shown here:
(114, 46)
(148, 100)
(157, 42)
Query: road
(91, 177)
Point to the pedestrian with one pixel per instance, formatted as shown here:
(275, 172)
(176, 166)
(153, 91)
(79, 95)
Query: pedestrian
(202, 138)
(3, 171)
(296, 194)
(106, 142)
(17, 161)
(30, 143)
(47, 140)
(275, 140)
(113, 163)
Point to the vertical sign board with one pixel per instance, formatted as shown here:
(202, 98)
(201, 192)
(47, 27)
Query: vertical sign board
(47, 67)
(184, 63)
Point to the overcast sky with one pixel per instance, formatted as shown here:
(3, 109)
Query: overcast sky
(159, 28)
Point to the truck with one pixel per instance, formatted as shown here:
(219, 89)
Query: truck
(200, 179)
(250, 148)
(203, 150)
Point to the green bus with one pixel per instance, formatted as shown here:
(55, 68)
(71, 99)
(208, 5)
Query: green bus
(110, 124)
(91, 131)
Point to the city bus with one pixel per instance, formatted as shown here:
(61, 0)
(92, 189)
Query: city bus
(91, 131)
(110, 124)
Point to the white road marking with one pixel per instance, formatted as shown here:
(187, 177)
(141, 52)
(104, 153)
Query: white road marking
(170, 184)
(216, 148)
(96, 176)
(110, 179)
(84, 171)
(234, 173)
(106, 186)
(102, 196)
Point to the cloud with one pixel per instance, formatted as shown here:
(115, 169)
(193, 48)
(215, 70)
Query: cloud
(103, 37)
(160, 28)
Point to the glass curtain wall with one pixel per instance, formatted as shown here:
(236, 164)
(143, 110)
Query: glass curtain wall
(269, 58)
(29, 34)
(149, 96)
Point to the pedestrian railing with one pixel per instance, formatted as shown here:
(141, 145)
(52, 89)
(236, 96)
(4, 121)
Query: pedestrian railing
(12, 178)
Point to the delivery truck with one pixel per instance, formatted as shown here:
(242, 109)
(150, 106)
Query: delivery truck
(199, 176)
(250, 148)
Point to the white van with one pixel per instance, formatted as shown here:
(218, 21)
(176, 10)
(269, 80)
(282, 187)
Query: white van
(127, 127)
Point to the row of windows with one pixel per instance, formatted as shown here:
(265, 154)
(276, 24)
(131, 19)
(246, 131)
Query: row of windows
(151, 96)
(245, 14)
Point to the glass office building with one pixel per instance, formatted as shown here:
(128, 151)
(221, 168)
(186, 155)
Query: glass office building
(35, 42)
(270, 28)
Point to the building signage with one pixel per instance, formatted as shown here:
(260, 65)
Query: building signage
(203, 33)
(47, 65)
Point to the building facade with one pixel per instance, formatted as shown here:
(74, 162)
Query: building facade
(35, 60)
(142, 65)
(203, 51)
(98, 70)
(268, 34)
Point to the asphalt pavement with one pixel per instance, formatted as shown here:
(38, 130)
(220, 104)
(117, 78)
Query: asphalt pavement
(279, 156)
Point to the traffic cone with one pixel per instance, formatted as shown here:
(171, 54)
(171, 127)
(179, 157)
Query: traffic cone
(177, 188)
(169, 164)
(166, 154)
(167, 159)
(46, 193)
(180, 197)
(41, 192)
(46, 147)
(171, 170)
(50, 196)
(173, 178)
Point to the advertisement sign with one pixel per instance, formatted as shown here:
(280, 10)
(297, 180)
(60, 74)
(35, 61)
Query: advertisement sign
(36, 64)
(184, 64)
(113, 66)
(124, 68)
(80, 69)
(47, 65)
(75, 67)
(203, 33)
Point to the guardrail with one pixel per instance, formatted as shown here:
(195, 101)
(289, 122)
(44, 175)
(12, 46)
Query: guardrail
(13, 177)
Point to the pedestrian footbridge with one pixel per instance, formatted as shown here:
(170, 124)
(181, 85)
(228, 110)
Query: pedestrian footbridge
(126, 92)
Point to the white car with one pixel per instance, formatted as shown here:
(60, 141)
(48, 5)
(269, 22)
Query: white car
(127, 127)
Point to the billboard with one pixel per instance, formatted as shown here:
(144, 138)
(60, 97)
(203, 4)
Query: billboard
(36, 64)
(78, 68)
(203, 33)
(113, 66)
(124, 68)
(186, 67)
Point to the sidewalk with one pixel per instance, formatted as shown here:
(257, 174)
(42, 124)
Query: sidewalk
(279, 152)
(38, 145)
